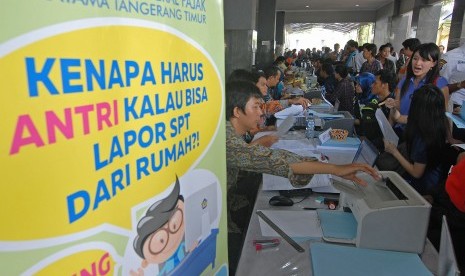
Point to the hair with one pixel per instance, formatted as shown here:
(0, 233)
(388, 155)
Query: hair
(371, 48)
(429, 51)
(241, 75)
(328, 68)
(271, 71)
(341, 70)
(427, 120)
(280, 59)
(257, 75)
(411, 43)
(386, 76)
(365, 80)
(238, 93)
(381, 48)
(352, 43)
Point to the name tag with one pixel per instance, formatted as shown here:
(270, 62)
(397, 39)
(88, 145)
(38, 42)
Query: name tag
(325, 136)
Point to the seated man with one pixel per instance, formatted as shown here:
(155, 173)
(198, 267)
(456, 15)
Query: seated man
(382, 89)
(243, 112)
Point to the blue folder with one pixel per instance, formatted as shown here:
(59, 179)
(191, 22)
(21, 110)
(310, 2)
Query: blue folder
(331, 259)
(338, 226)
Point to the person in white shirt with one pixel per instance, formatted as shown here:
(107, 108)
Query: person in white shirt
(454, 71)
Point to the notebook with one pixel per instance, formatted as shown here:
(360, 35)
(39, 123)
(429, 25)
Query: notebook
(331, 259)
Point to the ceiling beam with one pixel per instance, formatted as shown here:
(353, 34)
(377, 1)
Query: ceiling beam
(329, 16)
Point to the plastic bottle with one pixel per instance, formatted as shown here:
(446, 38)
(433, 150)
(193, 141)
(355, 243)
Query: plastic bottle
(310, 129)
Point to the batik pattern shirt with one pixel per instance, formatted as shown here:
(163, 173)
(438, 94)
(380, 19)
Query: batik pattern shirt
(256, 158)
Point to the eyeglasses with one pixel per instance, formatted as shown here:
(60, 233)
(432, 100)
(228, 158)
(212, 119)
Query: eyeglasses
(159, 239)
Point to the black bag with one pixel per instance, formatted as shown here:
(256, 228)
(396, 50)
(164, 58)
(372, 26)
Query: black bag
(369, 125)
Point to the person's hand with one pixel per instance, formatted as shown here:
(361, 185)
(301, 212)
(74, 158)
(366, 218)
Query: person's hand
(389, 147)
(394, 114)
(302, 101)
(391, 103)
(266, 140)
(349, 172)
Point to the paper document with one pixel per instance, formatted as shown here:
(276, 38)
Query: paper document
(291, 110)
(296, 224)
(386, 128)
(462, 146)
(275, 183)
(300, 146)
(285, 125)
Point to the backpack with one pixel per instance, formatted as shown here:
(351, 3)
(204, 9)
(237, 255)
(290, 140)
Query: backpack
(369, 124)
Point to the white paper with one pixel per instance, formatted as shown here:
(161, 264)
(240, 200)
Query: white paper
(293, 110)
(275, 183)
(386, 127)
(298, 224)
(325, 136)
(459, 145)
(285, 125)
(300, 146)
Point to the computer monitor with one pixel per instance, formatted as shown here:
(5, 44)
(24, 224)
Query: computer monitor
(447, 264)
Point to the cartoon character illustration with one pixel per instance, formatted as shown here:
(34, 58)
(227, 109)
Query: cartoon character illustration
(160, 232)
(177, 234)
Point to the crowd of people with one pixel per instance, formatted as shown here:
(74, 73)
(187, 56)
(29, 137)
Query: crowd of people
(413, 88)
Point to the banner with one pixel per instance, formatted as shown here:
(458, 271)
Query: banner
(112, 150)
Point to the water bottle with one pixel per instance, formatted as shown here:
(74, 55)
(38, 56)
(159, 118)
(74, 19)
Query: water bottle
(310, 128)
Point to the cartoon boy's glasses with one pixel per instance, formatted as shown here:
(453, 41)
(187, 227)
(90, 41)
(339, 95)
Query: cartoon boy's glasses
(159, 239)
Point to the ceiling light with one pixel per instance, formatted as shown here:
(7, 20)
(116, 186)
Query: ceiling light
(307, 6)
(357, 5)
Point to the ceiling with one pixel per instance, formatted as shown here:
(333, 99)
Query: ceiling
(330, 5)
(312, 6)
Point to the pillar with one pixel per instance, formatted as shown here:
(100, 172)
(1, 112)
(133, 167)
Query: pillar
(279, 33)
(457, 31)
(266, 33)
(239, 34)
(428, 23)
